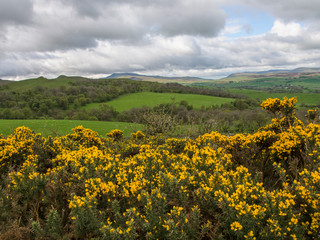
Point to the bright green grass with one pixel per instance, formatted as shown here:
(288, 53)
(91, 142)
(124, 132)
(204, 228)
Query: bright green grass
(63, 127)
(307, 98)
(136, 100)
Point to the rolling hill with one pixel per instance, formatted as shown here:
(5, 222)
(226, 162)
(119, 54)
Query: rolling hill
(3, 82)
(296, 80)
(291, 74)
(161, 79)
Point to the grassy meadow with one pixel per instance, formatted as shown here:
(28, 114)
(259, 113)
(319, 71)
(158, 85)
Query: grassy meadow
(306, 98)
(262, 86)
(63, 127)
(150, 99)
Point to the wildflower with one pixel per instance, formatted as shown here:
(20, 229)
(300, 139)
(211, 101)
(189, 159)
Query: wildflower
(236, 226)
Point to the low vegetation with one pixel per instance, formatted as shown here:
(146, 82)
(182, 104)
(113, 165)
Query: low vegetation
(263, 185)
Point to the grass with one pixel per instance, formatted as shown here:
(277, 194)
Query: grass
(306, 98)
(63, 127)
(136, 100)
(310, 83)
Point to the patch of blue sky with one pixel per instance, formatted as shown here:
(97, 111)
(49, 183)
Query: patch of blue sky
(244, 22)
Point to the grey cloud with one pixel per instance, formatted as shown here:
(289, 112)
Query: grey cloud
(289, 10)
(80, 24)
(80, 37)
(91, 8)
(201, 17)
(15, 11)
(188, 17)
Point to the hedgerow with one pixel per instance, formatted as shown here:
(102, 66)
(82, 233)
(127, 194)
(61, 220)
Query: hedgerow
(264, 185)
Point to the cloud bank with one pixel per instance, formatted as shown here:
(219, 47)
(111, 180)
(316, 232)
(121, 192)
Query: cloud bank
(182, 37)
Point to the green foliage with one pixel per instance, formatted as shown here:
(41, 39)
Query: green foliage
(159, 122)
(85, 220)
(53, 228)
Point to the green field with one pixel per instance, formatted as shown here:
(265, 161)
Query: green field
(63, 127)
(306, 98)
(136, 100)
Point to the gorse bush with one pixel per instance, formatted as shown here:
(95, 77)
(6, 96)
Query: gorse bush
(264, 185)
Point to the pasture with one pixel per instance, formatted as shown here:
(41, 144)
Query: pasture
(306, 98)
(151, 99)
(63, 127)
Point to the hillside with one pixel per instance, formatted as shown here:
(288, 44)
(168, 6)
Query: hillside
(78, 98)
(161, 79)
(296, 80)
(278, 73)
(44, 82)
(230, 104)
(286, 74)
(3, 82)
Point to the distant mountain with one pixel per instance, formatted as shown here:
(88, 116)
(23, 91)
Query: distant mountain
(278, 73)
(162, 79)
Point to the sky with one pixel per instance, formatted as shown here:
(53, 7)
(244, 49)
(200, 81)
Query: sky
(202, 38)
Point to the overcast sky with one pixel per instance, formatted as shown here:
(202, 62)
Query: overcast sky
(203, 38)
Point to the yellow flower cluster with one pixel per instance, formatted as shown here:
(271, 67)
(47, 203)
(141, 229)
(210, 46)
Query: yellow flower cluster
(115, 134)
(16, 147)
(276, 105)
(236, 226)
(138, 135)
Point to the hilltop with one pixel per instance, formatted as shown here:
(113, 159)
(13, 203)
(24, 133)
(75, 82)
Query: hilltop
(296, 80)
(2, 82)
(294, 73)
(161, 79)
(240, 76)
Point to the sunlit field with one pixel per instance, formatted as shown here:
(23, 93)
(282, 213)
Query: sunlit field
(63, 127)
(136, 100)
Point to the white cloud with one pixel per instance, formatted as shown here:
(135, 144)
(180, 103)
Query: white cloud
(290, 29)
